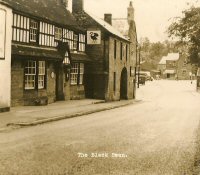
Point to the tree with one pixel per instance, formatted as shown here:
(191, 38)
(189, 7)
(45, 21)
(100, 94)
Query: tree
(187, 30)
(152, 53)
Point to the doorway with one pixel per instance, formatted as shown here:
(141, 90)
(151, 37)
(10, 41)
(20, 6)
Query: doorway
(123, 84)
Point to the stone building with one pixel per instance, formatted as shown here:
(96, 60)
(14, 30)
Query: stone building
(113, 54)
(47, 53)
(175, 65)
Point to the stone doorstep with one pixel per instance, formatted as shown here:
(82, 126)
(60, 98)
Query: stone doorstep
(4, 109)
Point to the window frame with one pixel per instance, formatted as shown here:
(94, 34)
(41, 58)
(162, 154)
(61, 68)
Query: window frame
(81, 42)
(121, 51)
(36, 29)
(77, 74)
(76, 42)
(31, 72)
(114, 81)
(115, 49)
(36, 75)
(58, 33)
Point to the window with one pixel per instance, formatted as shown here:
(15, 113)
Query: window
(30, 73)
(74, 73)
(77, 72)
(126, 52)
(58, 33)
(81, 43)
(41, 74)
(20, 31)
(33, 30)
(46, 37)
(75, 42)
(35, 75)
(115, 49)
(81, 73)
(68, 36)
(121, 51)
(114, 81)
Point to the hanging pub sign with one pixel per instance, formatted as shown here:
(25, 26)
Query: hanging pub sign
(2, 33)
(93, 37)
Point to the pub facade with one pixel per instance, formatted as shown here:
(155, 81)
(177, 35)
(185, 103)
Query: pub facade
(47, 53)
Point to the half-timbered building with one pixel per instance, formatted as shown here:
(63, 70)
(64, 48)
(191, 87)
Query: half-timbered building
(48, 53)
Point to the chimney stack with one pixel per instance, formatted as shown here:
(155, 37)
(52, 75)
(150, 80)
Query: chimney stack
(77, 6)
(108, 18)
(131, 12)
(65, 3)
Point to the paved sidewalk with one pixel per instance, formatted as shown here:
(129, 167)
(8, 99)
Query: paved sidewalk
(33, 115)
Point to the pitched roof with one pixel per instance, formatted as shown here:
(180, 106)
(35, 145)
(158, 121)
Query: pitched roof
(51, 10)
(169, 57)
(122, 25)
(107, 26)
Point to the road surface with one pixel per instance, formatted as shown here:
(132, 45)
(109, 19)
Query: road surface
(157, 136)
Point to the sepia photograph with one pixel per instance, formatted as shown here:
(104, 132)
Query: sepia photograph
(99, 87)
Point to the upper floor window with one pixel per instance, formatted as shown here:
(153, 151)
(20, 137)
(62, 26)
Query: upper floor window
(20, 28)
(115, 49)
(33, 30)
(121, 50)
(126, 52)
(81, 42)
(58, 33)
(75, 42)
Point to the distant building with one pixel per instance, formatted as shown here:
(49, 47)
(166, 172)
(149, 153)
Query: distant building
(175, 66)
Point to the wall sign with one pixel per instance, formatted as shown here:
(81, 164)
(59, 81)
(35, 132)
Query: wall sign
(2, 33)
(93, 37)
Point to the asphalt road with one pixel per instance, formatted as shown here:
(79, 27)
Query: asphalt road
(155, 137)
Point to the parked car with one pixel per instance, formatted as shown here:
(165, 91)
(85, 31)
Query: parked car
(149, 78)
(142, 79)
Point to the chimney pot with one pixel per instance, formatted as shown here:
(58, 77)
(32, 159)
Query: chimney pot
(108, 18)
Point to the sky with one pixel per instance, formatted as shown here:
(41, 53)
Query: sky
(152, 17)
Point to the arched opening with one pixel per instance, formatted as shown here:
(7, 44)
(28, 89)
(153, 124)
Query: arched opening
(123, 84)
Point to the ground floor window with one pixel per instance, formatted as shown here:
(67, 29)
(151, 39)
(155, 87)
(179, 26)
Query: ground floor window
(34, 74)
(77, 72)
